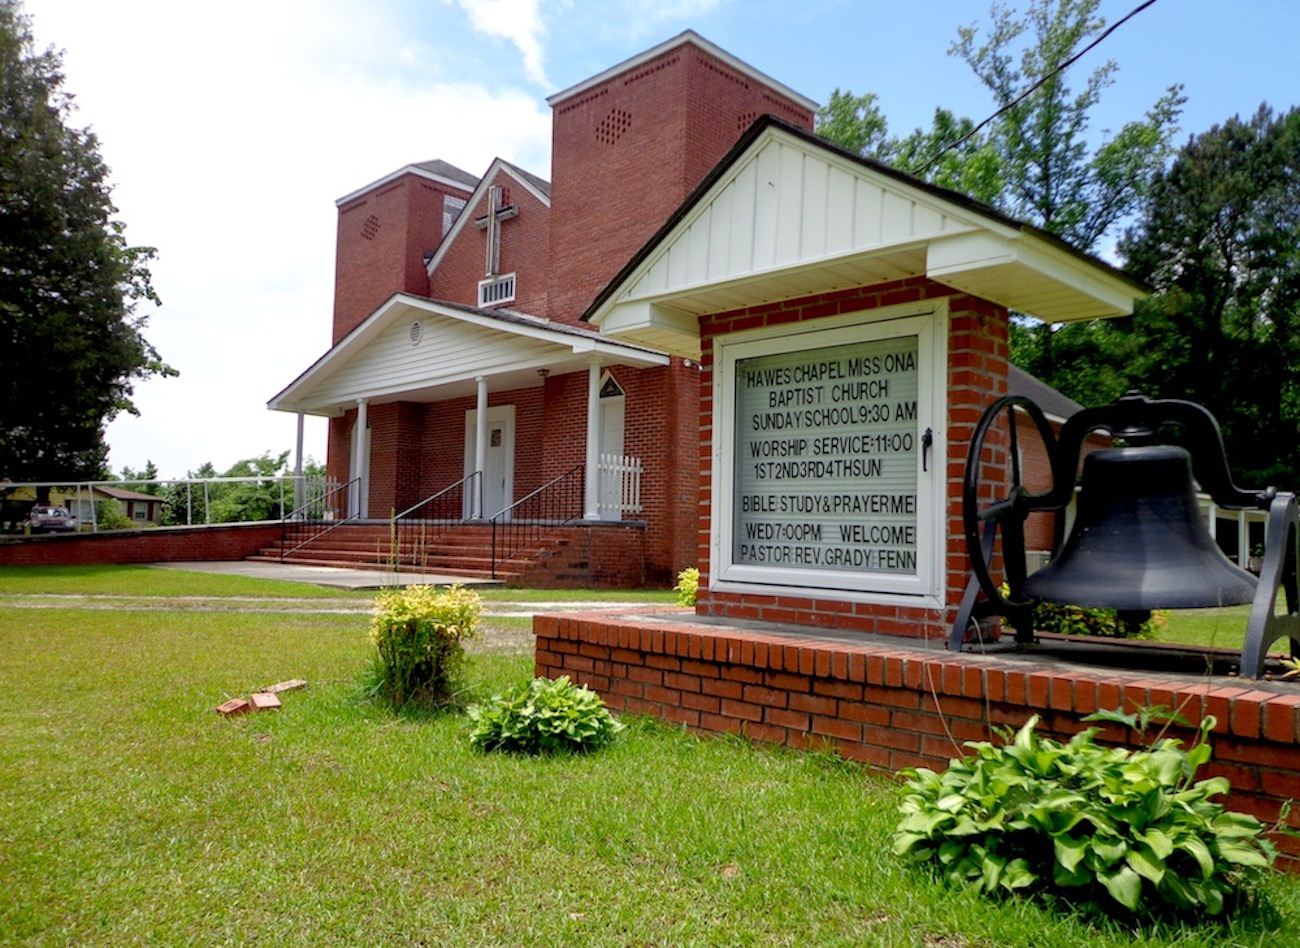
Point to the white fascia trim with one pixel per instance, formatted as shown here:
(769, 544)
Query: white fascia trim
(498, 165)
(959, 215)
(381, 317)
(681, 39)
(409, 169)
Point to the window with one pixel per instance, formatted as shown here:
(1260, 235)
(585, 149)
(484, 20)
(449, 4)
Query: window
(140, 511)
(451, 208)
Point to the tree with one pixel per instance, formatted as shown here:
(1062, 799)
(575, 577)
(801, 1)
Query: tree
(1220, 241)
(71, 342)
(1051, 175)
(146, 474)
(1035, 160)
(260, 500)
(234, 502)
(1052, 178)
(972, 167)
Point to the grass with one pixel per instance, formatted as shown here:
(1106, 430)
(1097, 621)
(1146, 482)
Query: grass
(1218, 628)
(130, 812)
(151, 581)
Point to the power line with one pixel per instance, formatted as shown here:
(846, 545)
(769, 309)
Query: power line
(1037, 85)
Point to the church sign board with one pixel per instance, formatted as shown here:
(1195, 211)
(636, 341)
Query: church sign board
(827, 456)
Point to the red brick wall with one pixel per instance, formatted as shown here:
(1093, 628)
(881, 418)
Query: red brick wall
(626, 153)
(382, 238)
(338, 447)
(525, 251)
(608, 556)
(977, 360)
(659, 427)
(155, 545)
(894, 707)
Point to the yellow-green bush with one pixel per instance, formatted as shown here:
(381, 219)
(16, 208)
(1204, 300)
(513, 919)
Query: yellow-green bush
(418, 633)
(688, 585)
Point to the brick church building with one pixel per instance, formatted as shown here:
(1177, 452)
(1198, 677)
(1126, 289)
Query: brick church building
(458, 342)
(551, 351)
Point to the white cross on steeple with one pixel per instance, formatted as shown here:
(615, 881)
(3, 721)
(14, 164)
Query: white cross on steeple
(492, 222)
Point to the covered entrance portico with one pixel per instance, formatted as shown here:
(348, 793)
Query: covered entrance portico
(425, 394)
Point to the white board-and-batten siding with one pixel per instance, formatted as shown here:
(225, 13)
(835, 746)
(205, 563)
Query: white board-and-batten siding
(447, 351)
(788, 207)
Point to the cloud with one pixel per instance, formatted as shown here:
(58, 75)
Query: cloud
(229, 136)
(517, 21)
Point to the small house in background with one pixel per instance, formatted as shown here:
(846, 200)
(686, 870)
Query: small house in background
(140, 508)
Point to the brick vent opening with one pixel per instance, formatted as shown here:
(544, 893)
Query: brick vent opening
(370, 227)
(649, 71)
(613, 125)
(745, 120)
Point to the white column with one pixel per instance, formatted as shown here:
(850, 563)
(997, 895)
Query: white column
(297, 467)
(480, 442)
(360, 460)
(1243, 540)
(591, 509)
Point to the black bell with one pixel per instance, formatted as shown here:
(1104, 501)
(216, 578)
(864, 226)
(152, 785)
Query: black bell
(1139, 542)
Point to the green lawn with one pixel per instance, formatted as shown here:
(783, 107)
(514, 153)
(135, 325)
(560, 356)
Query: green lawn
(130, 812)
(1219, 628)
(150, 581)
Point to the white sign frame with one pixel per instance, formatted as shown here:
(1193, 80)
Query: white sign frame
(928, 322)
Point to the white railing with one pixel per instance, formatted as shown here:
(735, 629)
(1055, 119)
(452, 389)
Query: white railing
(186, 501)
(620, 484)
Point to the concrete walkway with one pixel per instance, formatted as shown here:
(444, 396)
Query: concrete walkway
(332, 576)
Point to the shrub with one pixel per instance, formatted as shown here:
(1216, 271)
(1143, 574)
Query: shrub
(1088, 620)
(418, 633)
(1104, 827)
(688, 586)
(543, 717)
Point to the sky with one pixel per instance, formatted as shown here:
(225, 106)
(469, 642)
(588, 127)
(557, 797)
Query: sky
(232, 128)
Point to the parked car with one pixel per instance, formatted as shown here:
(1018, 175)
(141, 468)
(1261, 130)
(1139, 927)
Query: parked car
(51, 518)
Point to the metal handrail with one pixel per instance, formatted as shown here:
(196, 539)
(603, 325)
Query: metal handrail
(556, 503)
(413, 529)
(301, 526)
(437, 494)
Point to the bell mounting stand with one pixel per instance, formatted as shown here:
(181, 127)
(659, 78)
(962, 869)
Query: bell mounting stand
(1138, 514)
(982, 523)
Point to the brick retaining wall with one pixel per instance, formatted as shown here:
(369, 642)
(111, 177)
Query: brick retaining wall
(893, 706)
(233, 541)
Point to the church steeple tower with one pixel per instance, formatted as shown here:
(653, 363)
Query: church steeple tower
(629, 144)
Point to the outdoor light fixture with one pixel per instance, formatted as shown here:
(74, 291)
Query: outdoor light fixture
(1138, 542)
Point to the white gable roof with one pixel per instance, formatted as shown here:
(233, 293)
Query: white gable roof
(787, 215)
(417, 349)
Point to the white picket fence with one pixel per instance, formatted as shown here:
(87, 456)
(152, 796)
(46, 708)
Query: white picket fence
(620, 484)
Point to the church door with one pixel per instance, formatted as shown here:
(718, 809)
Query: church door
(612, 413)
(499, 465)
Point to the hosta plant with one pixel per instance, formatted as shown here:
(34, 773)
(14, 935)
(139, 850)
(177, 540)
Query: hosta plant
(543, 716)
(1105, 827)
(417, 633)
